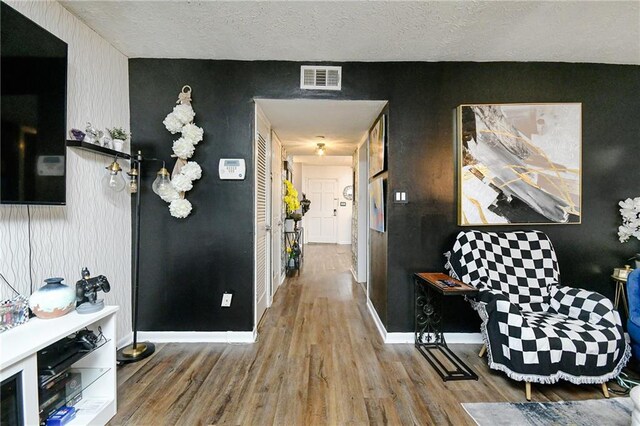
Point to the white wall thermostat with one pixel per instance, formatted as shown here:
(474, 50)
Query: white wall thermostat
(232, 169)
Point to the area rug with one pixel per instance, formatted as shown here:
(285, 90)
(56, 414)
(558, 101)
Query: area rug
(591, 412)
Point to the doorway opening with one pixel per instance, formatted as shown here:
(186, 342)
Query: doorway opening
(291, 133)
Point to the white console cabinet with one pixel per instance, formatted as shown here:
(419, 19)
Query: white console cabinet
(18, 354)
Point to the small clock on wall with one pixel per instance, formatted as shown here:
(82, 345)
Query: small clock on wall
(347, 192)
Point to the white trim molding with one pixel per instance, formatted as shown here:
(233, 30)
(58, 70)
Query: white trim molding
(198, 336)
(355, 277)
(450, 338)
(394, 338)
(377, 321)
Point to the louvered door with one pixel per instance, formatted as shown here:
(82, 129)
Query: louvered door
(262, 231)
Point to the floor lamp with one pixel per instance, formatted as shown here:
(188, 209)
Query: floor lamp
(137, 350)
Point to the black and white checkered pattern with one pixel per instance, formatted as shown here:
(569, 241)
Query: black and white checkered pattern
(535, 329)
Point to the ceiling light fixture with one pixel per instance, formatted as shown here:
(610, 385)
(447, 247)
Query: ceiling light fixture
(321, 150)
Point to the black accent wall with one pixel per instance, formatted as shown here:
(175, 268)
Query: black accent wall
(186, 264)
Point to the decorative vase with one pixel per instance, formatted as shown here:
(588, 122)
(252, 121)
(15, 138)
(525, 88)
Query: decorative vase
(638, 261)
(53, 299)
(289, 225)
(118, 144)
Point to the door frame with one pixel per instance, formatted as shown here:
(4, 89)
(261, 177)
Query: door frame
(259, 116)
(276, 204)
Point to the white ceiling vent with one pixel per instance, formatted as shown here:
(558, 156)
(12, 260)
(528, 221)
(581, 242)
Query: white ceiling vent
(320, 77)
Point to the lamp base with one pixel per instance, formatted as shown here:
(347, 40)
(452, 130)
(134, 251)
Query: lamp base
(133, 354)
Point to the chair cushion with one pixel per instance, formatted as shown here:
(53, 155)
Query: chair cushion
(558, 338)
(582, 304)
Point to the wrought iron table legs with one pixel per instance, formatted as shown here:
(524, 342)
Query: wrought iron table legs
(429, 339)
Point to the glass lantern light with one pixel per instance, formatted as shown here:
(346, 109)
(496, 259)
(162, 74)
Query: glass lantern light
(113, 179)
(162, 183)
(133, 179)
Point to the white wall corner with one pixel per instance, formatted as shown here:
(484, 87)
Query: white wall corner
(125, 340)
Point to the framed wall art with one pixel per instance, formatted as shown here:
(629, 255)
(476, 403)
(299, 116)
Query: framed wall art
(376, 205)
(519, 164)
(377, 137)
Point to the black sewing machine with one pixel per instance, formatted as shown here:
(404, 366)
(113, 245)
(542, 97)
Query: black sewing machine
(87, 292)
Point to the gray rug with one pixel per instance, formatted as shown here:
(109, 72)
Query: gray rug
(596, 412)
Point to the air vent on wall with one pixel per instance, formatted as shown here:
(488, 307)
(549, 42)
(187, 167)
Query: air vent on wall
(320, 77)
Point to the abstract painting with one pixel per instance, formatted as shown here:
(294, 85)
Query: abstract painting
(519, 164)
(376, 147)
(376, 205)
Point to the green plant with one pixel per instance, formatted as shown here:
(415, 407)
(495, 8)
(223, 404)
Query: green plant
(118, 133)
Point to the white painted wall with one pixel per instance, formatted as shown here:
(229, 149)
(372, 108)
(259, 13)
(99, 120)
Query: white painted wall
(344, 176)
(94, 228)
(296, 177)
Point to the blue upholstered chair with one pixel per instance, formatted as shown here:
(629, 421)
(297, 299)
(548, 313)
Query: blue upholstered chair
(633, 324)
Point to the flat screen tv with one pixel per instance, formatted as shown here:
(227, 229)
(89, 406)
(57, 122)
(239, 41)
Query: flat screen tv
(34, 109)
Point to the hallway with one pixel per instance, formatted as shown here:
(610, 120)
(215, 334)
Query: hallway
(318, 361)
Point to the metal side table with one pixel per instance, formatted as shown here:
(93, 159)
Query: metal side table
(430, 288)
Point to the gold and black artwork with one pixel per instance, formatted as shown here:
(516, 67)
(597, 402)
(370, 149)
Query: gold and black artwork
(519, 164)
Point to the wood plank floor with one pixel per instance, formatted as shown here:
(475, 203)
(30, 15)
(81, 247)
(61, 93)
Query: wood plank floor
(318, 361)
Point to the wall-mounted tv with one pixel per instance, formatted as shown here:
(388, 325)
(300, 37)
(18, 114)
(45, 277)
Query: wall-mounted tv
(34, 109)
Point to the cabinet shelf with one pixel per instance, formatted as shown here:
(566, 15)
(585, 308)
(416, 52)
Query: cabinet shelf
(66, 364)
(71, 391)
(97, 149)
(18, 356)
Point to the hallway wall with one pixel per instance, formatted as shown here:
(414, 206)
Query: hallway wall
(180, 276)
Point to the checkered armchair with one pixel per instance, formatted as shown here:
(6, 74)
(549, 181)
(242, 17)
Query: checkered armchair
(536, 330)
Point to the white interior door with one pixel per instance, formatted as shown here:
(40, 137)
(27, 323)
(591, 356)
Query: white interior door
(263, 214)
(321, 221)
(276, 215)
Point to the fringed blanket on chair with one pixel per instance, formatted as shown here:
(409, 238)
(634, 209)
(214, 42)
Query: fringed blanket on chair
(535, 329)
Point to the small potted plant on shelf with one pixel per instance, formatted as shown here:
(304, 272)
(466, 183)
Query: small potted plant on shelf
(119, 135)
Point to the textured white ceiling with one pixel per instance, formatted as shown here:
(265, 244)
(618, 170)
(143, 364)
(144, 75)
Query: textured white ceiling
(299, 122)
(564, 31)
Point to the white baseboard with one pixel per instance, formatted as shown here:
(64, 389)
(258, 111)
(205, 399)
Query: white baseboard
(198, 336)
(376, 320)
(344, 243)
(124, 341)
(450, 338)
(392, 338)
(355, 276)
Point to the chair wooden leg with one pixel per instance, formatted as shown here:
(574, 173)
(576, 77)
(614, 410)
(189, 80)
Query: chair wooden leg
(483, 350)
(527, 390)
(605, 391)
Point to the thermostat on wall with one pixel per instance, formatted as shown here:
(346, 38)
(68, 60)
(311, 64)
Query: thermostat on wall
(231, 169)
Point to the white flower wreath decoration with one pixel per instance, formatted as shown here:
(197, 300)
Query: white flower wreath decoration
(184, 172)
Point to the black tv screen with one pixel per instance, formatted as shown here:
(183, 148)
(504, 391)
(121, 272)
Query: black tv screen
(34, 92)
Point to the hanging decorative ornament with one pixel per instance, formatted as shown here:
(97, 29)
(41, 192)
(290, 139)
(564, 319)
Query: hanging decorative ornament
(180, 120)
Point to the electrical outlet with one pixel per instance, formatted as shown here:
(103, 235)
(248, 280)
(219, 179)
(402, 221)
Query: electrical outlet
(226, 300)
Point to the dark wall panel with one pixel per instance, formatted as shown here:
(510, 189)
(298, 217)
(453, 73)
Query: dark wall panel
(423, 163)
(187, 264)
